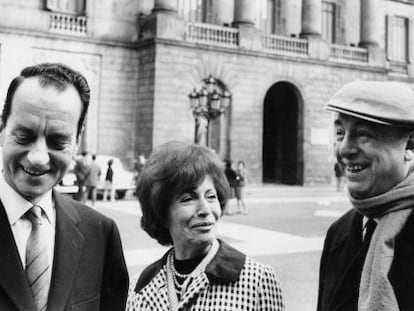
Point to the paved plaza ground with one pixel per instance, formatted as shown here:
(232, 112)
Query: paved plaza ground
(285, 228)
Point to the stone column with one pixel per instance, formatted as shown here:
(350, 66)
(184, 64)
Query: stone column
(163, 22)
(311, 18)
(311, 29)
(244, 17)
(165, 5)
(244, 12)
(370, 23)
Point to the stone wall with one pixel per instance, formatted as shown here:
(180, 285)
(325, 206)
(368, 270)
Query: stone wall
(111, 71)
(180, 67)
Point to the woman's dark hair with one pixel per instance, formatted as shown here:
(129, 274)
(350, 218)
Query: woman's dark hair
(50, 74)
(171, 169)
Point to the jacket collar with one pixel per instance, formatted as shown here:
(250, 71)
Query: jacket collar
(224, 268)
(226, 265)
(13, 278)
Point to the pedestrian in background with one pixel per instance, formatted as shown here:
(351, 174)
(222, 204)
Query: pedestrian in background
(231, 178)
(138, 166)
(109, 183)
(339, 176)
(241, 180)
(183, 192)
(81, 171)
(92, 180)
(367, 259)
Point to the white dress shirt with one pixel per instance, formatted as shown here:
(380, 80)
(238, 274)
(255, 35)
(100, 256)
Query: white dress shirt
(16, 207)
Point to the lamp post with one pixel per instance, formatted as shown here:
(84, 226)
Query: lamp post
(207, 104)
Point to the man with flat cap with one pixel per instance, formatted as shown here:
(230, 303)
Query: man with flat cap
(368, 258)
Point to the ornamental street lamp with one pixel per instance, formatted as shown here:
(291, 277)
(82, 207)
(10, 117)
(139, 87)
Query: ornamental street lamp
(207, 104)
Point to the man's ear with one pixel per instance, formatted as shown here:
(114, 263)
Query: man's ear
(79, 138)
(409, 148)
(2, 136)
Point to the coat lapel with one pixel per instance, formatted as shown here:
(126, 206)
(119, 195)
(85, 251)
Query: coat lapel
(401, 274)
(68, 249)
(198, 284)
(156, 292)
(13, 278)
(348, 252)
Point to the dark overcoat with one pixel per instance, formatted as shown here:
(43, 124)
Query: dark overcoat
(342, 260)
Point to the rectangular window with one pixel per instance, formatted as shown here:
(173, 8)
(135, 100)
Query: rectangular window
(207, 12)
(397, 38)
(328, 21)
(191, 10)
(278, 18)
(75, 7)
(269, 16)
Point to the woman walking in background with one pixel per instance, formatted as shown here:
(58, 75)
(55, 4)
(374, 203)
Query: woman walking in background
(241, 180)
(109, 183)
(183, 192)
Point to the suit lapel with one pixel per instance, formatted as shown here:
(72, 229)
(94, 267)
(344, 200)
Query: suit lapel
(13, 278)
(68, 249)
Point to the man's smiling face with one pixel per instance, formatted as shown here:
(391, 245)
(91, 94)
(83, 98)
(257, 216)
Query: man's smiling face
(373, 155)
(39, 137)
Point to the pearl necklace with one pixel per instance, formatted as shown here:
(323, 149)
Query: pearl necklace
(175, 274)
(172, 275)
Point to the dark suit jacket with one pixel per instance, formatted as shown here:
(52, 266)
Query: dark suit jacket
(342, 260)
(89, 271)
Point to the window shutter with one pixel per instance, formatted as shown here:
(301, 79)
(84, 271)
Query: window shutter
(339, 36)
(388, 36)
(411, 40)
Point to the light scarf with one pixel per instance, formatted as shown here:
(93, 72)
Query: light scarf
(392, 210)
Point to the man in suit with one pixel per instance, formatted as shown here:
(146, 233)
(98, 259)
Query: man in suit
(56, 253)
(367, 260)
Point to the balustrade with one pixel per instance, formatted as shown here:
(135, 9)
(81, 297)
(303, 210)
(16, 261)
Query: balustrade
(348, 54)
(212, 34)
(68, 24)
(285, 45)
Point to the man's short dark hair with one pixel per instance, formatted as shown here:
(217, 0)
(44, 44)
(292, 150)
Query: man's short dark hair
(57, 75)
(172, 169)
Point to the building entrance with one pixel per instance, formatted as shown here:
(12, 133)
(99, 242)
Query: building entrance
(283, 135)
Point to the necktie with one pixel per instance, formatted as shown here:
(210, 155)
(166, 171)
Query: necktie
(37, 259)
(369, 229)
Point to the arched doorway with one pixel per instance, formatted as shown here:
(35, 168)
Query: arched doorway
(283, 135)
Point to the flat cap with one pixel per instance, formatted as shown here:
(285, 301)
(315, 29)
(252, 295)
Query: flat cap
(389, 103)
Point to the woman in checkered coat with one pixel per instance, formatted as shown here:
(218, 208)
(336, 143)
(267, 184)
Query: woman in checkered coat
(183, 191)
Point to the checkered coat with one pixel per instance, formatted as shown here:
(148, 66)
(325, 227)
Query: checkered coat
(230, 282)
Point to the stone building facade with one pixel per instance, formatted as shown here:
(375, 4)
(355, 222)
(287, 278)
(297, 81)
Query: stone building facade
(281, 60)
